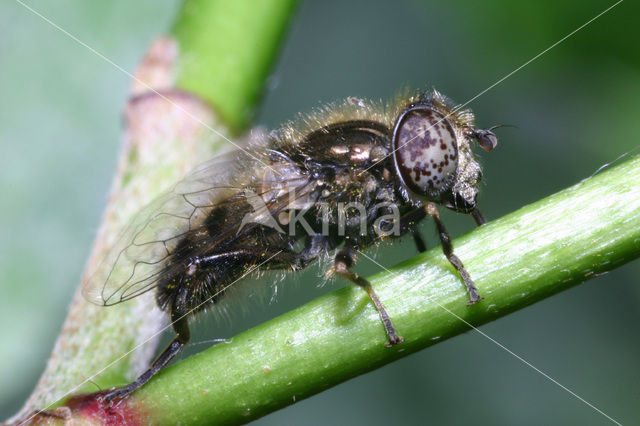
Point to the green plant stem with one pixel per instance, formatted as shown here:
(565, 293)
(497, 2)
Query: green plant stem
(227, 49)
(528, 255)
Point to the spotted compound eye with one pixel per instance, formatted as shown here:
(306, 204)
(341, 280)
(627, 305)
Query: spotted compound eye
(426, 150)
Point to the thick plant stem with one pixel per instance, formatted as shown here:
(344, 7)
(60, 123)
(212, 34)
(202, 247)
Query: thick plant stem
(537, 251)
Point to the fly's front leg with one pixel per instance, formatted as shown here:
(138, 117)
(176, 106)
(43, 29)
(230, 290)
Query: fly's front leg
(447, 248)
(409, 220)
(344, 260)
(409, 223)
(478, 217)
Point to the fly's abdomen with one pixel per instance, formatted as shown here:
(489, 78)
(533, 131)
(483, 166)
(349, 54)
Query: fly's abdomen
(202, 281)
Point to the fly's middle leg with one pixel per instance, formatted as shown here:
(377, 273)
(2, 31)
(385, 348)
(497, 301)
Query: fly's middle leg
(343, 262)
(421, 246)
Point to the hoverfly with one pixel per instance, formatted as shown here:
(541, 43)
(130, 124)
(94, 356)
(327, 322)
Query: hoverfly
(273, 209)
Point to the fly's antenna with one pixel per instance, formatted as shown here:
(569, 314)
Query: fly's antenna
(486, 138)
(503, 125)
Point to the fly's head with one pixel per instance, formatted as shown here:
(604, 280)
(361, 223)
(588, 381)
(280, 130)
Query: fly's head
(432, 152)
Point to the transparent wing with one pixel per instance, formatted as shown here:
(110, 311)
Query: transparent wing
(143, 252)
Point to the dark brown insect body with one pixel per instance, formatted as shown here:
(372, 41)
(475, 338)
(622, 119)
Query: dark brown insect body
(345, 178)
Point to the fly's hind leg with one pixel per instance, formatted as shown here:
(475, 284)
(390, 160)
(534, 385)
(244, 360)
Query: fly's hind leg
(181, 328)
(344, 260)
(447, 248)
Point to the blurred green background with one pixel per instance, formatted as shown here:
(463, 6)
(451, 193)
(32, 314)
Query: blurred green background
(576, 108)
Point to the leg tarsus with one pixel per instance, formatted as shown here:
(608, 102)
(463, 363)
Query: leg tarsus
(474, 297)
(344, 260)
